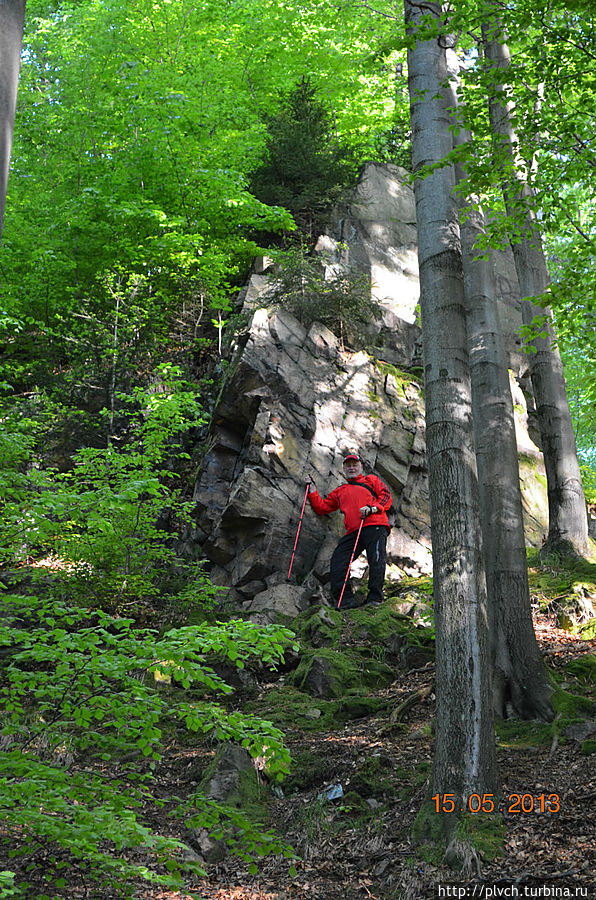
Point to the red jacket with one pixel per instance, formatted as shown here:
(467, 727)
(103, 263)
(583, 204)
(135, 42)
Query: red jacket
(350, 497)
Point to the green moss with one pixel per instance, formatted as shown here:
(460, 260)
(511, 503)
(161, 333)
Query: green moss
(319, 626)
(415, 778)
(583, 667)
(309, 770)
(575, 572)
(355, 706)
(588, 630)
(345, 671)
(379, 624)
(588, 747)
(433, 831)
(424, 584)
(291, 709)
(553, 584)
(485, 832)
(529, 459)
(371, 779)
(404, 379)
(249, 796)
(570, 707)
(521, 735)
(428, 831)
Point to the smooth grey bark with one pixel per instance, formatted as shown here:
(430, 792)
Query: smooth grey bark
(12, 18)
(464, 760)
(568, 523)
(518, 677)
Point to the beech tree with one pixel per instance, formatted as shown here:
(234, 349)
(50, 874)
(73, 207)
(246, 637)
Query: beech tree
(12, 17)
(519, 676)
(464, 761)
(568, 529)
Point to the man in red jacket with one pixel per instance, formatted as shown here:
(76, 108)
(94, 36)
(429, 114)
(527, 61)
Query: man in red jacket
(361, 497)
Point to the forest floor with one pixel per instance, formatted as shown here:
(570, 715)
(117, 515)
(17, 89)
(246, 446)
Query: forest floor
(351, 850)
(356, 787)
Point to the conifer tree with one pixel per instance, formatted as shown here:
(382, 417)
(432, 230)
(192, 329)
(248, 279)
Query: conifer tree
(305, 167)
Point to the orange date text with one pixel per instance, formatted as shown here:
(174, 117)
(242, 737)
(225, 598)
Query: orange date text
(486, 803)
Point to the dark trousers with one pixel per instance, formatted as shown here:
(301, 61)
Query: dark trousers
(373, 540)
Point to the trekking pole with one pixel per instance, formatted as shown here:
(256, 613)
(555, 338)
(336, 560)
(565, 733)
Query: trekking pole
(298, 532)
(350, 563)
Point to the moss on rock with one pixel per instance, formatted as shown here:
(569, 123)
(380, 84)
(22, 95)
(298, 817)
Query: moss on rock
(570, 707)
(319, 626)
(331, 674)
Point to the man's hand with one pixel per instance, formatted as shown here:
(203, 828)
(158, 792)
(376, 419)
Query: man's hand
(366, 511)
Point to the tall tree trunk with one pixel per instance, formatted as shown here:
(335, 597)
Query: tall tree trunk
(464, 761)
(568, 523)
(12, 18)
(519, 677)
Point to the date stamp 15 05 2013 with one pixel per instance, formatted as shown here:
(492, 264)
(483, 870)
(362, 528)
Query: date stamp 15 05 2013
(486, 803)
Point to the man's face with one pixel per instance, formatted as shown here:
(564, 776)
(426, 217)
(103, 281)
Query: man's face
(352, 468)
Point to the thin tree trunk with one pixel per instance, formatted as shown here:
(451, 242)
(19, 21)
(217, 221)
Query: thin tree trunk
(519, 677)
(464, 761)
(568, 524)
(12, 18)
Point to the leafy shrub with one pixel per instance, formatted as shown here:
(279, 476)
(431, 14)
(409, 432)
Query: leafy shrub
(78, 692)
(342, 301)
(86, 694)
(108, 522)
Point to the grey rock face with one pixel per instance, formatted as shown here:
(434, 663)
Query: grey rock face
(292, 406)
(294, 401)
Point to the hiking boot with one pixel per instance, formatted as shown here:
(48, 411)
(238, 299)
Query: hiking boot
(349, 603)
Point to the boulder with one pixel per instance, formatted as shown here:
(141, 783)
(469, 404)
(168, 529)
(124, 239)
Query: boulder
(284, 601)
(232, 780)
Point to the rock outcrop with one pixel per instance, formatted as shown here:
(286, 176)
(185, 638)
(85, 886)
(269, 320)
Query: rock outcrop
(294, 401)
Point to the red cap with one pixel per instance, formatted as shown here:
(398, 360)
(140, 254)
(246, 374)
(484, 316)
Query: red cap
(352, 456)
